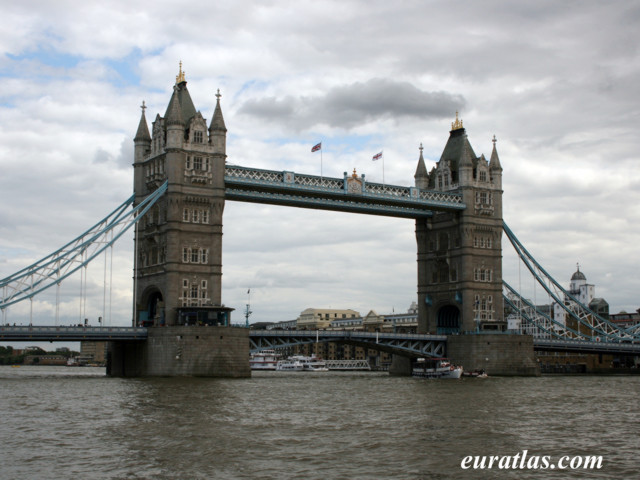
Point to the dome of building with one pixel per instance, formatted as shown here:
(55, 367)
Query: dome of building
(578, 275)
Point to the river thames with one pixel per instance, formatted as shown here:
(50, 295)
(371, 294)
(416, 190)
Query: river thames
(64, 423)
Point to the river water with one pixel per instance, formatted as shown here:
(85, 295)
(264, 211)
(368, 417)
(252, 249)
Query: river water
(75, 423)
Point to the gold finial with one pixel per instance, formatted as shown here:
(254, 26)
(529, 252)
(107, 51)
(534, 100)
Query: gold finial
(180, 77)
(457, 125)
(355, 175)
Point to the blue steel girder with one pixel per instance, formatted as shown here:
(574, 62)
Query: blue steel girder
(78, 253)
(309, 191)
(405, 344)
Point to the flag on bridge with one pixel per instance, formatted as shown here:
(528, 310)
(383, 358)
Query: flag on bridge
(377, 156)
(317, 147)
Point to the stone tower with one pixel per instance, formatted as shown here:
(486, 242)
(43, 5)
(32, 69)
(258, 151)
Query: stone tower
(178, 243)
(460, 253)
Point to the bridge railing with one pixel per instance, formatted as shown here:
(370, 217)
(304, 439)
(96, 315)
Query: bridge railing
(291, 180)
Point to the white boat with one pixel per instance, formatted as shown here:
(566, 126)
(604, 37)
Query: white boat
(264, 360)
(301, 363)
(436, 368)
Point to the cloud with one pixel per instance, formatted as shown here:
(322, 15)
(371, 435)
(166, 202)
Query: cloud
(347, 106)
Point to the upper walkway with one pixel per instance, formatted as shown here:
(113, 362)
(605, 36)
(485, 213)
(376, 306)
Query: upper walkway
(348, 194)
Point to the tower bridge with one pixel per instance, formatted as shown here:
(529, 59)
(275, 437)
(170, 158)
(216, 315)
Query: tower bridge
(181, 182)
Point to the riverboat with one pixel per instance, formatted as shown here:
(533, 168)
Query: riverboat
(264, 360)
(436, 368)
(301, 363)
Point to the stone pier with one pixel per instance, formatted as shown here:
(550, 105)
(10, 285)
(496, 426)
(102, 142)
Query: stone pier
(201, 351)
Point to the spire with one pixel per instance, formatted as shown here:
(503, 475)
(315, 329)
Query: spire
(421, 176)
(494, 164)
(143, 130)
(180, 77)
(217, 122)
(174, 115)
(457, 125)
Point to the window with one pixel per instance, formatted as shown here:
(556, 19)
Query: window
(205, 216)
(195, 255)
(185, 215)
(195, 216)
(197, 137)
(185, 254)
(188, 163)
(483, 176)
(197, 163)
(204, 255)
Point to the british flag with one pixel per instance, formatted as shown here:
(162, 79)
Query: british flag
(317, 147)
(377, 156)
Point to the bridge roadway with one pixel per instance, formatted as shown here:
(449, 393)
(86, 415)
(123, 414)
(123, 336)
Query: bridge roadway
(407, 344)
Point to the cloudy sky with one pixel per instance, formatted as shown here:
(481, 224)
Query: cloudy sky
(558, 83)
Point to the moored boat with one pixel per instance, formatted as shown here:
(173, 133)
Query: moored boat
(264, 360)
(301, 363)
(436, 368)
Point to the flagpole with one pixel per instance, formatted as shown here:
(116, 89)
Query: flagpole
(383, 168)
(320, 160)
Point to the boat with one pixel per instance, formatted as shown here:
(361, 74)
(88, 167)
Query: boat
(264, 360)
(475, 374)
(301, 363)
(436, 368)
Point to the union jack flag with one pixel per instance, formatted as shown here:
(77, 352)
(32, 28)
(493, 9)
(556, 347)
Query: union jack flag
(377, 156)
(317, 147)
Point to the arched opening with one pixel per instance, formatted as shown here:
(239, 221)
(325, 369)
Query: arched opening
(448, 320)
(152, 312)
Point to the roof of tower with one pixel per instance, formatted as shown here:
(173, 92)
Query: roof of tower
(494, 164)
(421, 170)
(217, 122)
(143, 128)
(173, 115)
(458, 146)
(182, 97)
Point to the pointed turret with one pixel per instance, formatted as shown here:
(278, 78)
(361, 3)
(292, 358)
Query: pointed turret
(495, 169)
(421, 176)
(143, 130)
(494, 163)
(217, 129)
(142, 140)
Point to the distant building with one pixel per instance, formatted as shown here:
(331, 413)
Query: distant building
(583, 293)
(93, 352)
(330, 319)
(321, 318)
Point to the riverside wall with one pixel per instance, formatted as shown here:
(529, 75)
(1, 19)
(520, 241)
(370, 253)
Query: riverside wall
(183, 351)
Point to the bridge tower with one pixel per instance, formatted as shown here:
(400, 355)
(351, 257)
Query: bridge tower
(460, 253)
(178, 244)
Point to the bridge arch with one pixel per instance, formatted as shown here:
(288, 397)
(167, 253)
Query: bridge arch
(448, 321)
(151, 307)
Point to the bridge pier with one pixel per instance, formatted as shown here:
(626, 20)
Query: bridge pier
(201, 351)
(496, 354)
(400, 366)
